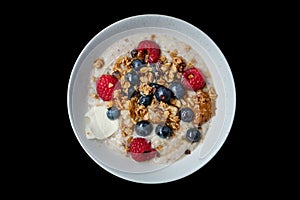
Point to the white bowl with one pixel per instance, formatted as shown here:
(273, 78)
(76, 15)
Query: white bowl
(221, 123)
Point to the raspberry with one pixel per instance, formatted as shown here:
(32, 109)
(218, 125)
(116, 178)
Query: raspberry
(105, 86)
(151, 49)
(141, 150)
(193, 79)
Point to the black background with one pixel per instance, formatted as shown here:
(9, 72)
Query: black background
(56, 163)
(228, 164)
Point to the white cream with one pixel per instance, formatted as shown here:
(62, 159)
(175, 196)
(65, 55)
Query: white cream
(98, 125)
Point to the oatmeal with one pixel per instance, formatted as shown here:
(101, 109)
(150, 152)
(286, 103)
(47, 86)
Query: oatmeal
(151, 98)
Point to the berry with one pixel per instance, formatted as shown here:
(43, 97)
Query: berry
(112, 113)
(137, 64)
(105, 86)
(116, 74)
(134, 53)
(163, 131)
(154, 85)
(163, 94)
(145, 100)
(131, 92)
(193, 79)
(143, 128)
(178, 89)
(151, 49)
(186, 114)
(132, 77)
(140, 150)
(193, 135)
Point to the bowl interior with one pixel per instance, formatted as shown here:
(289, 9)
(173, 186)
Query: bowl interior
(213, 58)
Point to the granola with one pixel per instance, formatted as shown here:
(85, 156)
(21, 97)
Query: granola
(155, 87)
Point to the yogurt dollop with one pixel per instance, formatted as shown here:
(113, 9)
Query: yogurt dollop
(98, 125)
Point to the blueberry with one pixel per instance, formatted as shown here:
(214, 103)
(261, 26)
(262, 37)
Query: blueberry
(178, 89)
(193, 135)
(143, 128)
(132, 77)
(112, 113)
(163, 94)
(163, 131)
(154, 85)
(145, 100)
(186, 114)
(137, 64)
(131, 92)
(134, 53)
(117, 74)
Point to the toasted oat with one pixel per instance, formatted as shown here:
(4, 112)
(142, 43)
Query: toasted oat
(145, 69)
(98, 63)
(187, 47)
(161, 81)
